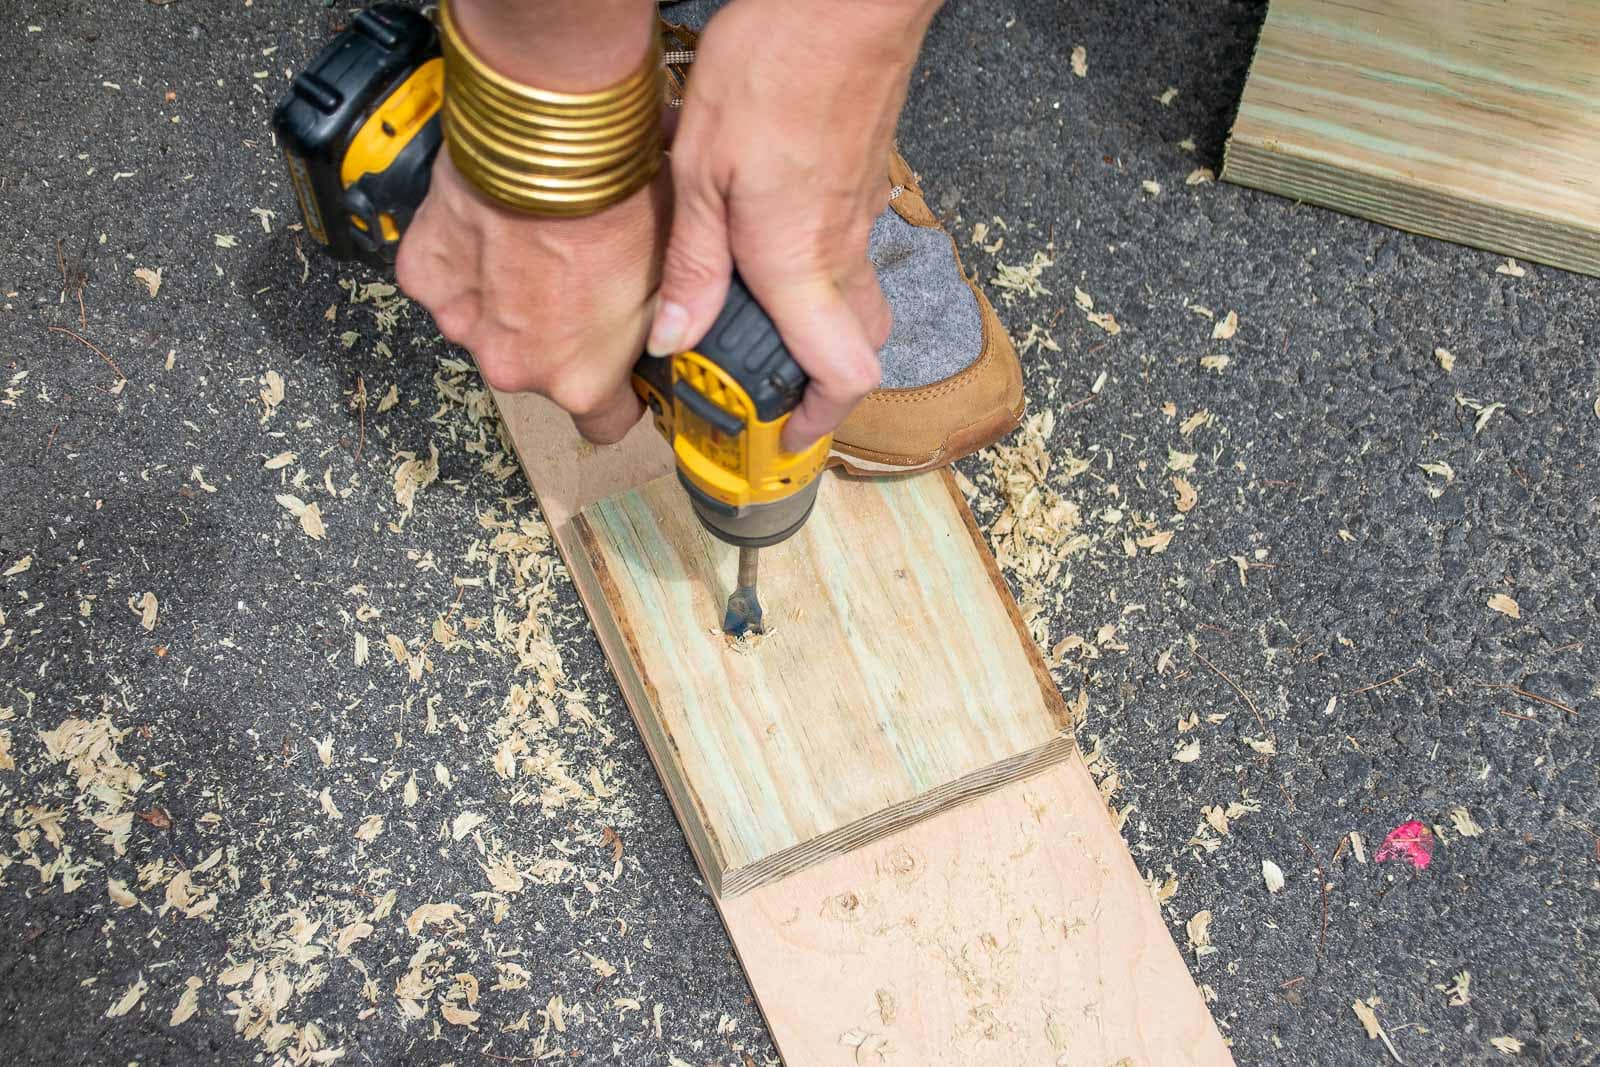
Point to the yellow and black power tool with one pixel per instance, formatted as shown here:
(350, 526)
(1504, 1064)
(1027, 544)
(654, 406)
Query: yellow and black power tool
(360, 129)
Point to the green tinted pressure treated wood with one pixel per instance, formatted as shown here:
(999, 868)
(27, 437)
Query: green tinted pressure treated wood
(1476, 121)
(894, 680)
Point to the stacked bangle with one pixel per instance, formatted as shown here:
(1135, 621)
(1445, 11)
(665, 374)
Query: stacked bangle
(549, 153)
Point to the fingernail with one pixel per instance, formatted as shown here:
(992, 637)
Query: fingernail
(666, 333)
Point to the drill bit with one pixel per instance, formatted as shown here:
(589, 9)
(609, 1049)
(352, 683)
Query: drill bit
(743, 614)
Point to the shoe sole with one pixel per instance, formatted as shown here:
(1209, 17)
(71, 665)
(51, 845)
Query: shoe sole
(958, 446)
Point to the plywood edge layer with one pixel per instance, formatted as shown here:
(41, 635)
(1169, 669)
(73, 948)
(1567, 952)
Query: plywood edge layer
(1054, 703)
(589, 573)
(896, 817)
(1409, 206)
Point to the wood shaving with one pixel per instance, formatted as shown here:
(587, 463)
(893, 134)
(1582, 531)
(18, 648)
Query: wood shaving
(150, 278)
(1510, 267)
(1509, 1046)
(310, 515)
(465, 823)
(1505, 606)
(1199, 930)
(435, 914)
(1439, 469)
(272, 393)
(1022, 280)
(1150, 186)
(129, 999)
(18, 567)
(1226, 328)
(1187, 752)
(1167, 97)
(1080, 61)
(1272, 875)
(1200, 176)
(1157, 542)
(329, 808)
(1366, 1011)
(1216, 363)
(1103, 319)
(1464, 823)
(1446, 361)
(188, 1002)
(411, 475)
(146, 607)
(1368, 1017)
(1187, 497)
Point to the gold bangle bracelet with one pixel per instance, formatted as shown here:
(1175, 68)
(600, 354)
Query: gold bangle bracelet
(543, 152)
(559, 143)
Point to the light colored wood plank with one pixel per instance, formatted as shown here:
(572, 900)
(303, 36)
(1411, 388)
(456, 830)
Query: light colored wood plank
(1129, 980)
(1476, 121)
(1011, 930)
(894, 682)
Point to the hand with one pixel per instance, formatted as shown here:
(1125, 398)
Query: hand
(779, 166)
(553, 306)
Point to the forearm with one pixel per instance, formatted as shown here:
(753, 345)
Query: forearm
(569, 46)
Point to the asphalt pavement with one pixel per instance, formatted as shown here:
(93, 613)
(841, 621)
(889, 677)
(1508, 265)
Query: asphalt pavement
(308, 753)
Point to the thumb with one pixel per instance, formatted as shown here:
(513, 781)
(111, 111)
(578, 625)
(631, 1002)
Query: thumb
(695, 271)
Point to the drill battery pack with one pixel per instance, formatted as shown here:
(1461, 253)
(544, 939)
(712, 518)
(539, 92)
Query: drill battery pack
(359, 129)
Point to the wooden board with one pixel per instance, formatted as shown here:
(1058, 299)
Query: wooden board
(1014, 928)
(1011, 930)
(896, 678)
(1476, 121)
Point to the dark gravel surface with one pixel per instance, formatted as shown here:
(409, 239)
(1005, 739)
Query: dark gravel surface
(225, 796)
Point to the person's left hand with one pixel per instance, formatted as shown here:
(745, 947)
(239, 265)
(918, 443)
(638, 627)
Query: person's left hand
(779, 166)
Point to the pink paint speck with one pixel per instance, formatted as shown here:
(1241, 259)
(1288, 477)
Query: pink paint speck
(1412, 840)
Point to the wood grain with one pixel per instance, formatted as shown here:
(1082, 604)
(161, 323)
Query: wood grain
(1000, 874)
(1477, 121)
(1011, 930)
(894, 681)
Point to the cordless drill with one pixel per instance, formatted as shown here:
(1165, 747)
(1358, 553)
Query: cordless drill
(360, 128)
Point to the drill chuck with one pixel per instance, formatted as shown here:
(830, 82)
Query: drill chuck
(754, 525)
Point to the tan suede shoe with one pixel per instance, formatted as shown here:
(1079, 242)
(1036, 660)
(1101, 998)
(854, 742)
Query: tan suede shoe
(951, 380)
(898, 430)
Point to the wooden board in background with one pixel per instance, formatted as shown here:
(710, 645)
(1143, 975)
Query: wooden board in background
(895, 681)
(1014, 928)
(1476, 121)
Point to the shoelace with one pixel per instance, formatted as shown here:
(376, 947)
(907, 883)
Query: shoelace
(682, 58)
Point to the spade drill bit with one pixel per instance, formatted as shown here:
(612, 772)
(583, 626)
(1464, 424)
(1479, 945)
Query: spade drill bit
(743, 614)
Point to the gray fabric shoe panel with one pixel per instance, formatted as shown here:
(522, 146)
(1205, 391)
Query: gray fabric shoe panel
(937, 330)
(690, 13)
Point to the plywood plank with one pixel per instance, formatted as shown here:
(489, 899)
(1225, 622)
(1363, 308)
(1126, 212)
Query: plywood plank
(895, 679)
(1001, 874)
(1476, 121)
(1011, 930)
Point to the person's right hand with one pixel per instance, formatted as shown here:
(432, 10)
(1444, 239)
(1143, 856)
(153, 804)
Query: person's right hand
(554, 306)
